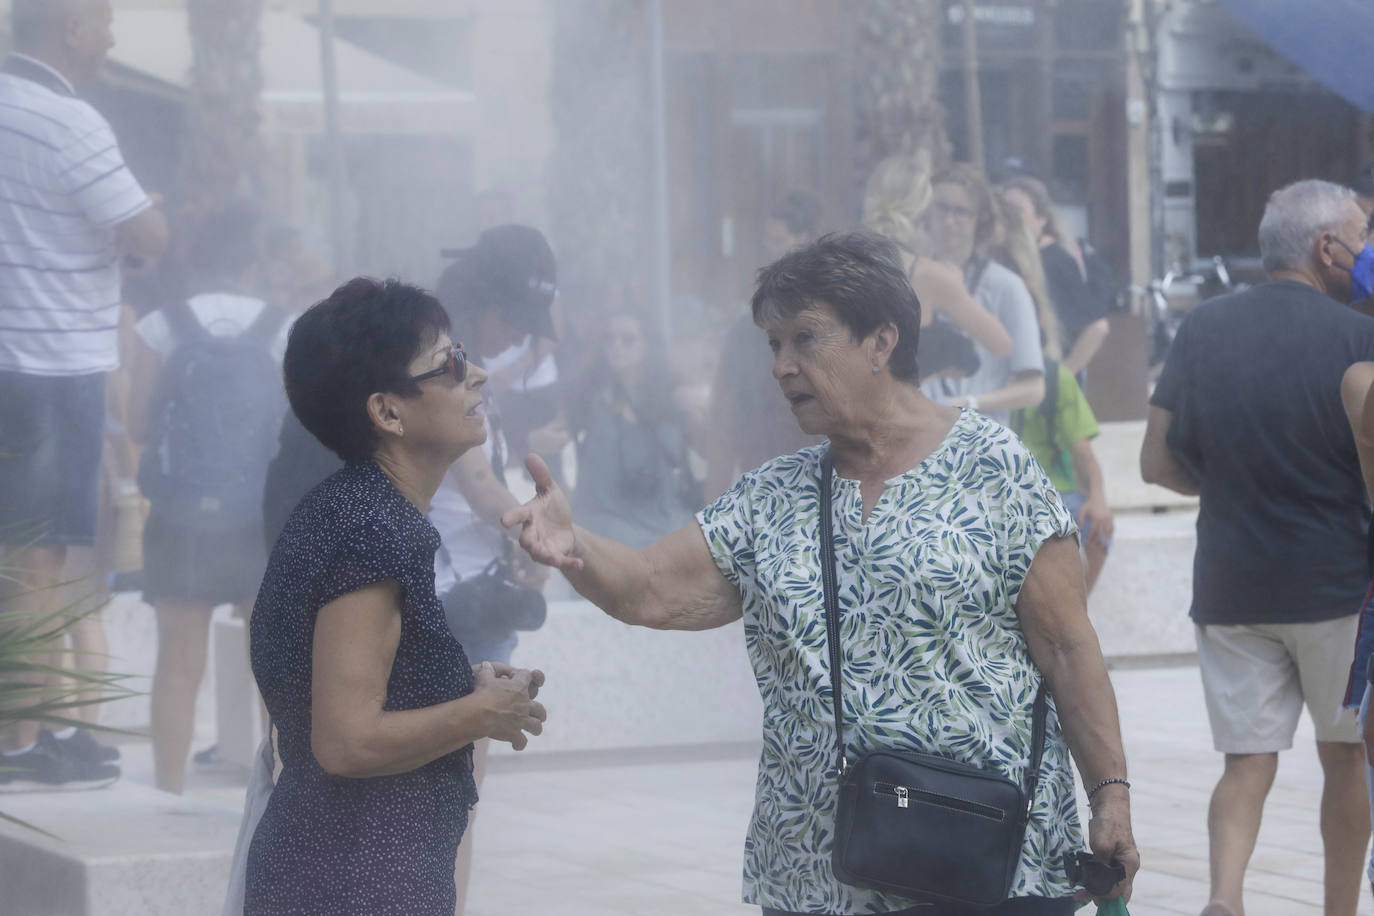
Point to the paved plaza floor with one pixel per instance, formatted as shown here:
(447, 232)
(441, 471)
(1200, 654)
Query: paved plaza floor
(661, 832)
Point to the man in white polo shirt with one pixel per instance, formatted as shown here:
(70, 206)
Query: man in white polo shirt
(70, 212)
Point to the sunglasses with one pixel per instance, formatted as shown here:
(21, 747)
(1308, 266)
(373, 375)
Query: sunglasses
(1096, 877)
(456, 365)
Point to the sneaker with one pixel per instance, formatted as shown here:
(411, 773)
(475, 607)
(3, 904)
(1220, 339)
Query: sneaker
(208, 759)
(82, 746)
(41, 769)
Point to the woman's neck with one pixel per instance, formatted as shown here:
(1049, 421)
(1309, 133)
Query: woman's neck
(411, 476)
(898, 434)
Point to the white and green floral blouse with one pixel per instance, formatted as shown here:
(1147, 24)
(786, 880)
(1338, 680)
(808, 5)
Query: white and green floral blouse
(933, 654)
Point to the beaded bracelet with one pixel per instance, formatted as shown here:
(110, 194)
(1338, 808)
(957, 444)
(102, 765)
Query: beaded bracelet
(1114, 780)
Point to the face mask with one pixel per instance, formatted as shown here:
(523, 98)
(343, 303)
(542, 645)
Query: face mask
(1361, 272)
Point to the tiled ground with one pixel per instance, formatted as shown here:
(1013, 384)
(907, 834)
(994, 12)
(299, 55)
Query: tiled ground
(661, 833)
(666, 838)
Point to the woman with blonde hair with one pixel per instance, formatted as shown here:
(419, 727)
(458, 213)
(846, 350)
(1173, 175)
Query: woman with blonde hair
(1019, 251)
(895, 197)
(1083, 317)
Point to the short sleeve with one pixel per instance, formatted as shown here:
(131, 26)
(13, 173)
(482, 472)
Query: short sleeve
(369, 553)
(1076, 420)
(1022, 325)
(1034, 514)
(156, 333)
(93, 173)
(728, 526)
(1170, 389)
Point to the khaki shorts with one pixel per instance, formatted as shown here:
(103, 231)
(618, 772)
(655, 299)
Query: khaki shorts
(1255, 679)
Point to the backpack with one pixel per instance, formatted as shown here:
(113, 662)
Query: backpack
(213, 422)
(1049, 410)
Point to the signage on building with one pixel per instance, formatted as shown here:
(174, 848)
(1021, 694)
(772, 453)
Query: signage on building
(1004, 15)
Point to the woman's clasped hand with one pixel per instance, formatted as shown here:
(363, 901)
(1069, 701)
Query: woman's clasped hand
(507, 695)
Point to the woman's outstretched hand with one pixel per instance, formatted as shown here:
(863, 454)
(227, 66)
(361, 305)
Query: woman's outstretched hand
(546, 526)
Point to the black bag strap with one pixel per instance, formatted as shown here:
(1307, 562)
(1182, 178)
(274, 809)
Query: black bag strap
(183, 323)
(266, 325)
(1048, 409)
(832, 636)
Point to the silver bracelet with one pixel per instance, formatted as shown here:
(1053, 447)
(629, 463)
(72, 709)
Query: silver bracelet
(1111, 781)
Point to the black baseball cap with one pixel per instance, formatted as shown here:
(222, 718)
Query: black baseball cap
(512, 268)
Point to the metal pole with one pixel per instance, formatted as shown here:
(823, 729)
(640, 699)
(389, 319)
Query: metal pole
(333, 140)
(662, 242)
(973, 96)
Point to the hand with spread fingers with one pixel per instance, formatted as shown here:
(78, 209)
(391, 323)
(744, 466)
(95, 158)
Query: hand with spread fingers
(546, 524)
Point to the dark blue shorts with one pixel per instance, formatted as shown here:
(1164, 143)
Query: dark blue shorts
(52, 429)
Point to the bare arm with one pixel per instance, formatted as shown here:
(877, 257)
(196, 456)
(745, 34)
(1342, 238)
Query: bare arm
(143, 370)
(1356, 387)
(1088, 474)
(355, 643)
(1026, 389)
(941, 286)
(474, 478)
(143, 235)
(1052, 608)
(1157, 463)
(673, 584)
(1086, 346)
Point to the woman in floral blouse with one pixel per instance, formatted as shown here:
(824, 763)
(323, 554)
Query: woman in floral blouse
(959, 586)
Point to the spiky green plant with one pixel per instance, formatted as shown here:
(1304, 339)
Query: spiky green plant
(32, 688)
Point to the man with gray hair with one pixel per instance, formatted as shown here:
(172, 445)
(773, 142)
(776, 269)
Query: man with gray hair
(70, 212)
(1247, 414)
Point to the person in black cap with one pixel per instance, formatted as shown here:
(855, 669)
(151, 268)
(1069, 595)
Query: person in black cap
(507, 283)
(498, 294)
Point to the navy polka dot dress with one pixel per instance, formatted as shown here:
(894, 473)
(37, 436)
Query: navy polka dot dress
(329, 844)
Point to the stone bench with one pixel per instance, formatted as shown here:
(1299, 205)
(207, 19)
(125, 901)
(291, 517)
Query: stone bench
(1140, 604)
(615, 686)
(123, 851)
(1117, 448)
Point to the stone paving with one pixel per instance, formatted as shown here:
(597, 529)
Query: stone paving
(661, 832)
(667, 838)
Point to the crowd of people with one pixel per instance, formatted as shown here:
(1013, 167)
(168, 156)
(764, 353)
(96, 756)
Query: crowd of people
(341, 474)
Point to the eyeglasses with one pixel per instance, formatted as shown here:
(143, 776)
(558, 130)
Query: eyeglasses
(456, 365)
(950, 211)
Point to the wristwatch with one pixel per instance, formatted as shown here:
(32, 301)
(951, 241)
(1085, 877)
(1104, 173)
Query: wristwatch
(971, 402)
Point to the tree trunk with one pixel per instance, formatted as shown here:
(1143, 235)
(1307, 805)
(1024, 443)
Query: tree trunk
(222, 160)
(600, 175)
(897, 71)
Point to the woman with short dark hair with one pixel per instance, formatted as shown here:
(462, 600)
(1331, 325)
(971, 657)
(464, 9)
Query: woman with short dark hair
(959, 594)
(375, 705)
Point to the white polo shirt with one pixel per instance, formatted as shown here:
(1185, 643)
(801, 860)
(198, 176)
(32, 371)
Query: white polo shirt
(64, 188)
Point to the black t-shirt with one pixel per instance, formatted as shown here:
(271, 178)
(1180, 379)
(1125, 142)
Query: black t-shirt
(1075, 302)
(1254, 384)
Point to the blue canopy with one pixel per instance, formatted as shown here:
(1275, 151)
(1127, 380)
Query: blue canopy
(1332, 40)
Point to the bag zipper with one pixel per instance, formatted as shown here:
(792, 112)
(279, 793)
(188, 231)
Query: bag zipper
(905, 794)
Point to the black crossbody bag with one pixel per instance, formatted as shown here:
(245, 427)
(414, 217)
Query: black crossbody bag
(917, 825)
